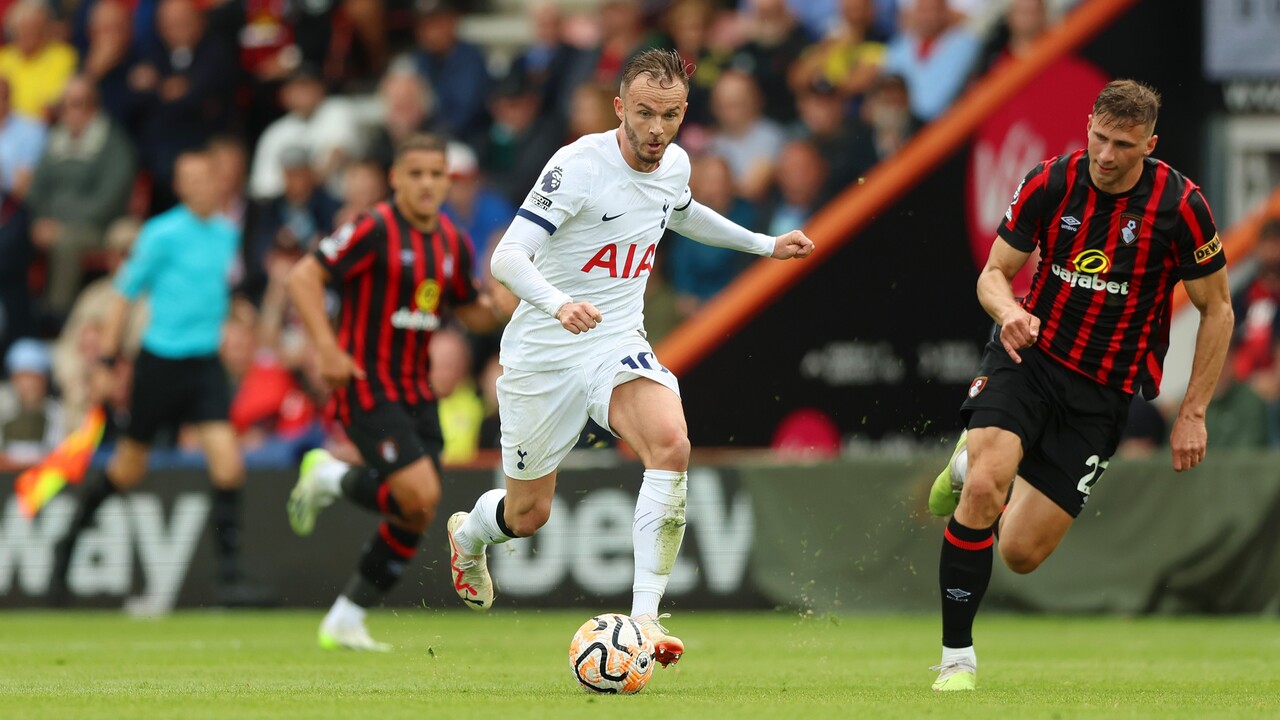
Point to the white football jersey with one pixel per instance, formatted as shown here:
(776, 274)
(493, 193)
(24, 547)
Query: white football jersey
(605, 220)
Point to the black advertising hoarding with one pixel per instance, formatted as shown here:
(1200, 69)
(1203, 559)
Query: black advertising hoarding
(151, 552)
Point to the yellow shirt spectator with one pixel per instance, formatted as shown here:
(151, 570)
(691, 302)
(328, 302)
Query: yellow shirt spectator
(37, 80)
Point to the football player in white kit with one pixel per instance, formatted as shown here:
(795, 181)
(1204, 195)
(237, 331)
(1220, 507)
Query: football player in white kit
(578, 256)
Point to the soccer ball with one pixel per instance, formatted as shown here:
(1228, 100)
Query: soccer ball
(610, 654)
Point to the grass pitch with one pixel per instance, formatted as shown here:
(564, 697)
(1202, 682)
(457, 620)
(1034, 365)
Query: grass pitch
(514, 665)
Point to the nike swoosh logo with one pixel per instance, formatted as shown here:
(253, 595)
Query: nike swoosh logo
(606, 218)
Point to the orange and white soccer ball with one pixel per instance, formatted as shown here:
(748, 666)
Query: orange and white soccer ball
(610, 654)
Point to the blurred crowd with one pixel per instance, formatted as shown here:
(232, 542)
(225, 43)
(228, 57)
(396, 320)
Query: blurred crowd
(301, 104)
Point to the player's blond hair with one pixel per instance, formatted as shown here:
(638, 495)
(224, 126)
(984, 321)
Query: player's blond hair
(665, 67)
(1128, 103)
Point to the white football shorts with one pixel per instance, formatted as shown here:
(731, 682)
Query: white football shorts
(543, 411)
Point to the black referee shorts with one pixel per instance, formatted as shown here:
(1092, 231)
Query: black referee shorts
(1070, 425)
(173, 391)
(391, 436)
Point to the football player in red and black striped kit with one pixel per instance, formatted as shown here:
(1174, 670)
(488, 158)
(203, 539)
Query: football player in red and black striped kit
(1116, 230)
(402, 271)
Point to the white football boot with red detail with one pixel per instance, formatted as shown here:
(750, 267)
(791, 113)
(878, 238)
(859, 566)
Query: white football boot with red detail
(667, 648)
(470, 572)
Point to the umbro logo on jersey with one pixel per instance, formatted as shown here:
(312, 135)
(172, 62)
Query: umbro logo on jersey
(406, 256)
(607, 217)
(1069, 222)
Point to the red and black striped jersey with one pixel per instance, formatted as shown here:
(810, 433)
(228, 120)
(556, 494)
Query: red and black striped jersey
(396, 284)
(1109, 263)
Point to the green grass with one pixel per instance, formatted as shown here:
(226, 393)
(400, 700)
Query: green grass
(514, 665)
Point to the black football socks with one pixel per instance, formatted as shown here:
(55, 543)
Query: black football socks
(963, 575)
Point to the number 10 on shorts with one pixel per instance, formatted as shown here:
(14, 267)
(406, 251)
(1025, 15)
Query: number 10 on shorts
(645, 360)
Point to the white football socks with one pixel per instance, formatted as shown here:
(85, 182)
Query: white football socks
(344, 613)
(328, 477)
(960, 466)
(959, 655)
(481, 527)
(656, 534)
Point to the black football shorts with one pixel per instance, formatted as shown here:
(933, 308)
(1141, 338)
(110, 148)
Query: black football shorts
(1070, 425)
(391, 436)
(167, 392)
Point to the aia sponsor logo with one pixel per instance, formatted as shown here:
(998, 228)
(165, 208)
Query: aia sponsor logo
(608, 257)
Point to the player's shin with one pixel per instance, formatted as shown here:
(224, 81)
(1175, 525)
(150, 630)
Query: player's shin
(382, 564)
(225, 517)
(963, 575)
(657, 533)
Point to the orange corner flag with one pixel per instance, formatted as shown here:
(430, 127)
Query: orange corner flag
(66, 464)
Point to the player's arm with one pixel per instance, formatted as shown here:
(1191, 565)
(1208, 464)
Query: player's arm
(306, 283)
(1211, 295)
(701, 223)
(1018, 328)
(480, 315)
(512, 265)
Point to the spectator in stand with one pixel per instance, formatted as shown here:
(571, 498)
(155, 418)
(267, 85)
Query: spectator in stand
(461, 407)
(21, 142)
(1024, 22)
(548, 60)
(291, 222)
(76, 352)
(34, 425)
(231, 168)
(1258, 325)
(408, 107)
(262, 32)
(935, 55)
(824, 123)
(475, 206)
(622, 35)
(17, 313)
(363, 186)
(81, 184)
(1237, 417)
(36, 64)
(185, 94)
(697, 272)
(802, 178)
(887, 123)
(515, 147)
(456, 69)
(776, 42)
(820, 17)
(848, 57)
(744, 136)
(109, 58)
(688, 26)
(324, 126)
(591, 111)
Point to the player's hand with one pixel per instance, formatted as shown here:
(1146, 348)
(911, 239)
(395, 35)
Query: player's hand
(1189, 441)
(337, 368)
(794, 244)
(578, 317)
(1019, 330)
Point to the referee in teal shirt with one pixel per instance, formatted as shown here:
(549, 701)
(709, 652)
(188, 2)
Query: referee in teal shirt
(181, 260)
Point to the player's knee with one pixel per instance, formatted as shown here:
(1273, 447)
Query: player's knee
(670, 450)
(418, 501)
(1021, 557)
(525, 521)
(983, 497)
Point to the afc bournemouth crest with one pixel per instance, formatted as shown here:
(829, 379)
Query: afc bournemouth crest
(388, 450)
(1130, 227)
(979, 384)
